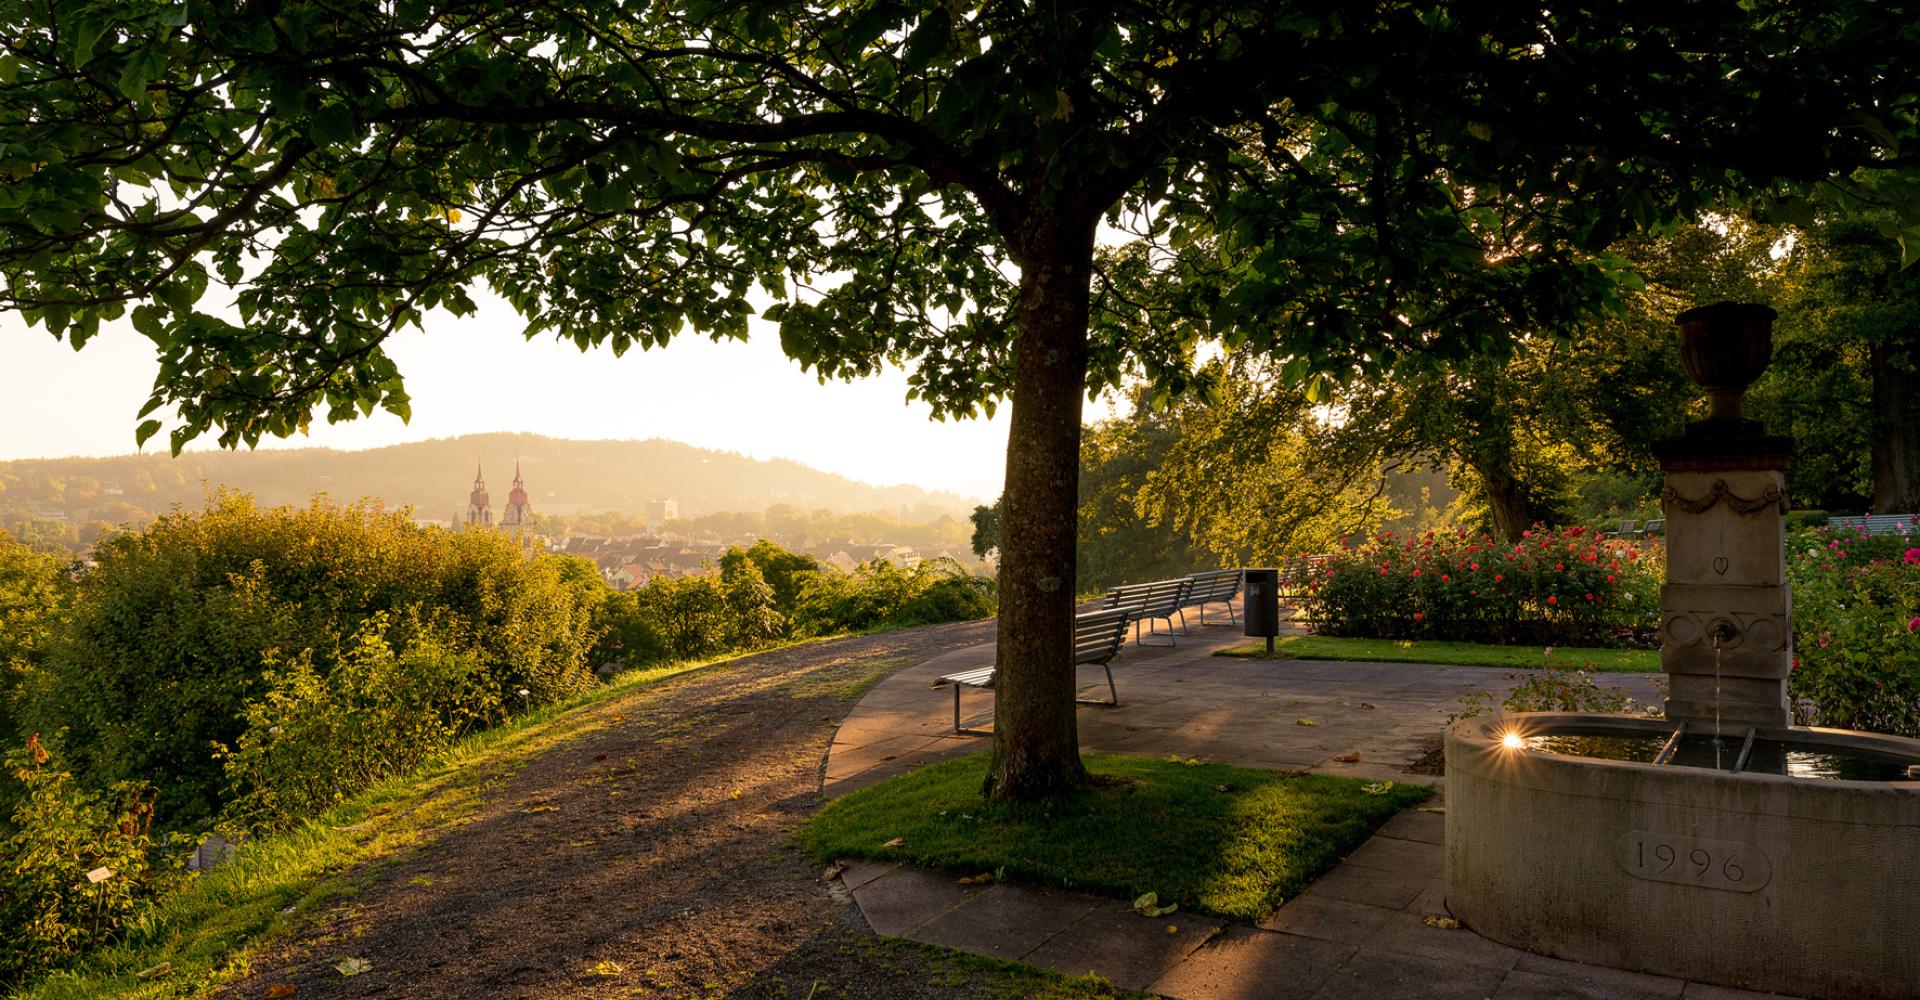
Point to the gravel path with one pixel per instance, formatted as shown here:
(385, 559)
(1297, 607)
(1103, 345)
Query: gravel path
(649, 858)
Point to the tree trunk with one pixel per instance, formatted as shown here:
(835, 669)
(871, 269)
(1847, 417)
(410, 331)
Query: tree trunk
(1896, 431)
(1036, 742)
(1505, 500)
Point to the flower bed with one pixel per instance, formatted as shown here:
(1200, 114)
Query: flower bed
(1856, 617)
(1555, 586)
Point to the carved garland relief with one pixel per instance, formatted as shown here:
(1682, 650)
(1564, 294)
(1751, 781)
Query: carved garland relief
(1772, 497)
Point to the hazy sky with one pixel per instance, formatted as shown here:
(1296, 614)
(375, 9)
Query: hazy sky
(477, 374)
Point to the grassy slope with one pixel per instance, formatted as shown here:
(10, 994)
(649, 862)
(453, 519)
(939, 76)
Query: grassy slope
(1465, 654)
(1232, 841)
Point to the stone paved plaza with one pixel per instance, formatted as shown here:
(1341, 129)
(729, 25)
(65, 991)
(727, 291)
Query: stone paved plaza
(1357, 932)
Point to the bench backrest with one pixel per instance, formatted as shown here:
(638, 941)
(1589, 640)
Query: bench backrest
(1296, 573)
(1149, 600)
(1208, 588)
(1878, 524)
(1097, 635)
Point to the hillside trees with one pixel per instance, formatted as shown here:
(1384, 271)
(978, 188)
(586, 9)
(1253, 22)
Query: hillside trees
(910, 182)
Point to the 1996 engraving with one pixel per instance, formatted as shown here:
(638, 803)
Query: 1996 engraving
(1709, 864)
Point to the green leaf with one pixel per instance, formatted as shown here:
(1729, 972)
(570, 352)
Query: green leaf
(9, 68)
(147, 429)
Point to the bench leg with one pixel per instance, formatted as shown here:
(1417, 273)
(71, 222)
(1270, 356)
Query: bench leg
(1113, 694)
(956, 708)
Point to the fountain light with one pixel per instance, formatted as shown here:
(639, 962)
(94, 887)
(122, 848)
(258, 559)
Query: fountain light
(1512, 740)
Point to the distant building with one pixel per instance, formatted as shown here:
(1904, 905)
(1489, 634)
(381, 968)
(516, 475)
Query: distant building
(479, 505)
(519, 513)
(660, 512)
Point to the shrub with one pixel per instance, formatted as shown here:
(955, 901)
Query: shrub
(1564, 587)
(51, 908)
(172, 634)
(879, 594)
(1856, 616)
(33, 589)
(314, 738)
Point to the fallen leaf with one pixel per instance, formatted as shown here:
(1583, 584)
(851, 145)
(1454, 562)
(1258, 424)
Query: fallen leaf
(540, 809)
(1349, 758)
(1442, 810)
(1149, 905)
(981, 879)
(834, 871)
(1173, 928)
(1440, 923)
(1295, 773)
(896, 842)
(1228, 787)
(1378, 788)
(352, 966)
(279, 991)
(1366, 704)
(619, 718)
(157, 970)
(736, 793)
(1305, 722)
(599, 756)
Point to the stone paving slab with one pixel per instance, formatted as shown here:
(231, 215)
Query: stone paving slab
(1249, 964)
(1131, 951)
(1007, 921)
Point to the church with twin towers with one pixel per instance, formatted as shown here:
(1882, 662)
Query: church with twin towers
(518, 512)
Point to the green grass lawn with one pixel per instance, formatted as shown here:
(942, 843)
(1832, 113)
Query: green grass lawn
(1462, 654)
(1232, 841)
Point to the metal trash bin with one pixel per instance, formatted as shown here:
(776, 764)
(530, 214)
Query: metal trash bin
(1262, 612)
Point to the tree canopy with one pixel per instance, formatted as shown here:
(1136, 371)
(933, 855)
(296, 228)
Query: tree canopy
(897, 181)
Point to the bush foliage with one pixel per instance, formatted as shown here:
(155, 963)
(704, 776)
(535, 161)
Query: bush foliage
(76, 865)
(1856, 623)
(1553, 587)
(190, 632)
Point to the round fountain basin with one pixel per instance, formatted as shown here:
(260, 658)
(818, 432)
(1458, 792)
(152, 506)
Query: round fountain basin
(1798, 874)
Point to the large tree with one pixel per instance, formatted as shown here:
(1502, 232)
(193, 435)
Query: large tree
(912, 181)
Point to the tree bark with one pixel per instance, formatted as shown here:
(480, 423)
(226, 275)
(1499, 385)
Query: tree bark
(1505, 500)
(1896, 431)
(1036, 743)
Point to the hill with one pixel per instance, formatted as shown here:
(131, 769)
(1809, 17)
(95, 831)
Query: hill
(562, 476)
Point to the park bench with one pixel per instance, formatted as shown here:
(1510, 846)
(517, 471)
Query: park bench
(1654, 528)
(1160, 600)
(1627, 529)
(1097, 636)
(1217, 587)
(1877, 524)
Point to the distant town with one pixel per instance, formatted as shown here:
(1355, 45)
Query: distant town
(668, 547)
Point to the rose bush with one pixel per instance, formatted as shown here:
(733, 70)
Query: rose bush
(1856, 618)
(1555, 586)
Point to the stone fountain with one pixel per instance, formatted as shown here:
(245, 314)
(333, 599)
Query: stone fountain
(1721, 844)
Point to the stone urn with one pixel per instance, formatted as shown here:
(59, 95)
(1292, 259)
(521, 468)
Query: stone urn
(1725, 347)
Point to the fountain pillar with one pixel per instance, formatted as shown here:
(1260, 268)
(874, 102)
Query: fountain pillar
(1726, 645)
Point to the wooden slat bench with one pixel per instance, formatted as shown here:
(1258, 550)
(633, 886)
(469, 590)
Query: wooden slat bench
(1878, 524)
(1218, 587)
(1097, 636)
(1160, 600)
